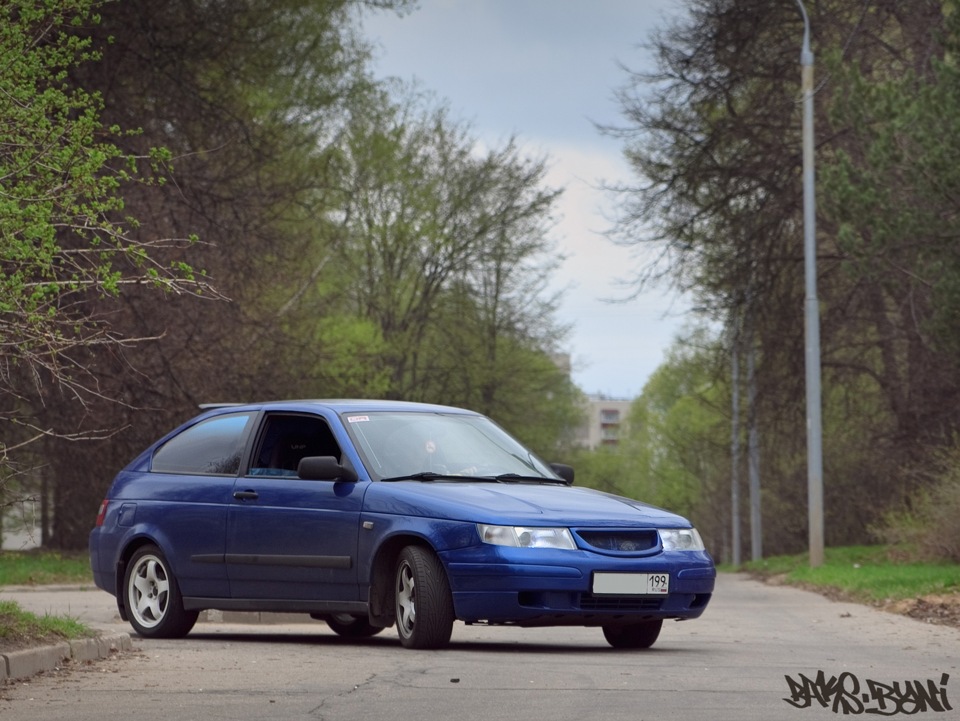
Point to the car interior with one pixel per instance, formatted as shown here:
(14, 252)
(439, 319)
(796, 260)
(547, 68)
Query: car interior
(288, 438)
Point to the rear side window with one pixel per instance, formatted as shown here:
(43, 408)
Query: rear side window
(213, 446)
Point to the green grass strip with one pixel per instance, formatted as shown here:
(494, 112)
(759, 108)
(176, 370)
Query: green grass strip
(28, 568)
(868, 573)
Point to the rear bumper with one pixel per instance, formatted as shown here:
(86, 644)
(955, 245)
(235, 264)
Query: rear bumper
(104, 578)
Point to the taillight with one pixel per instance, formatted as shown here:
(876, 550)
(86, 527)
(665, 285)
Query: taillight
(102, 512)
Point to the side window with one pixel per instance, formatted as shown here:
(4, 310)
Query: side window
(288, 438)
(213, 446)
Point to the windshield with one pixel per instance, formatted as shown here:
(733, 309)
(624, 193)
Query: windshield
(401, 444)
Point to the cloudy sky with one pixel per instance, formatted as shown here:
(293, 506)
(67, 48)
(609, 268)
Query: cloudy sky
(546, 71)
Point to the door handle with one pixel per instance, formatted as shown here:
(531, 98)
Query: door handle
(246, 495)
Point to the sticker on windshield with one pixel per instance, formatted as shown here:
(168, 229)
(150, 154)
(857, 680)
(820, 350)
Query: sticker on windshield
(357, 419)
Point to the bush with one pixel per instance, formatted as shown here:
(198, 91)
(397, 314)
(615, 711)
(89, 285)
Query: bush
(930, 526)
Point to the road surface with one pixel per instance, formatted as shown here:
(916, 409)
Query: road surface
(759, 652)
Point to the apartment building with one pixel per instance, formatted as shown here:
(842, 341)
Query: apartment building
(606, 421)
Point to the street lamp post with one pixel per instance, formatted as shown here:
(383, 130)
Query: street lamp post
(814, 419)
(735, 438)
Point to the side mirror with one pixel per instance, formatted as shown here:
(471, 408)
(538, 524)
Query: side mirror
(564, 471)
(325, 468)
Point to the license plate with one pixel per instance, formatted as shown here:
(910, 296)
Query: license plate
(631, 584)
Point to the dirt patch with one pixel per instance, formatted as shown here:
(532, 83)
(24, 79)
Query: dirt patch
(13, 640)
(941, 609)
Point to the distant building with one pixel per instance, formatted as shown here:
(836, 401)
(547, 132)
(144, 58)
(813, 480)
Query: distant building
(606, 422)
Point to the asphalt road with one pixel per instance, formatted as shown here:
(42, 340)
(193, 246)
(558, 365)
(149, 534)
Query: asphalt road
(755, 654)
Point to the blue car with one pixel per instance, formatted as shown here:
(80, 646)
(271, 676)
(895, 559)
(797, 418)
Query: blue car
(366, 514)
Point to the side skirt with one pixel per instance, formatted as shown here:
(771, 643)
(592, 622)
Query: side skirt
(196, 603)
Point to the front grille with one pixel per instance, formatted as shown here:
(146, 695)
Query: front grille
(627, 541)
(590, 602)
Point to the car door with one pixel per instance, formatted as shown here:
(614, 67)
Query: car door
(289, 538)
(190, 485)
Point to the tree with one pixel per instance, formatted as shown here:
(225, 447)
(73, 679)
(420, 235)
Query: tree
(714, 137)
(248, 102)
(266, 110)
(441, 250)
(890, 192)
(68, 247)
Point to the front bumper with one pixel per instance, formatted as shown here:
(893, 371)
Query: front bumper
(508, 589)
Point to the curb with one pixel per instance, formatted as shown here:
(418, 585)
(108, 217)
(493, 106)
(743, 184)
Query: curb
(31, 661)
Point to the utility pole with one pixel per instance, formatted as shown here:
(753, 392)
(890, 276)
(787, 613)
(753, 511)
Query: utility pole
(812, 325)
(735, 438)
(753, 442)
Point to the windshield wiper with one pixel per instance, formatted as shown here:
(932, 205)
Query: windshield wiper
(517, 478)
(433, 476)
(501, 478)
(422, 476)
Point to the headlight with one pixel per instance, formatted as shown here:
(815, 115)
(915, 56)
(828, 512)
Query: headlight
(680, 539)
(526, 537)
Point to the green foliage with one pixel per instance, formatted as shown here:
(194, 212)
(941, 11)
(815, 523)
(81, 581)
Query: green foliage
(63, 237)
(440, 263)
(612, 470)
(928, 523)
(895, 200)
(51, 162)
(348, 363)
(677, 427)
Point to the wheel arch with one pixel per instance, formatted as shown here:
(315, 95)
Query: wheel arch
(132, 546)
(381, 607)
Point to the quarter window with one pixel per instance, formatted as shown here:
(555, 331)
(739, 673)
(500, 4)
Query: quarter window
(213, 446)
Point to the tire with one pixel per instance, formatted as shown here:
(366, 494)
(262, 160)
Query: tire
(422, 600)
(343, 624)
(152, 596)
(637, 635)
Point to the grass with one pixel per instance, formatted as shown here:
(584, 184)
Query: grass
(29, 568)
(864, 573)
(21, 629)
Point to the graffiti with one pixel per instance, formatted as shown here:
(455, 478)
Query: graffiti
(847, 695)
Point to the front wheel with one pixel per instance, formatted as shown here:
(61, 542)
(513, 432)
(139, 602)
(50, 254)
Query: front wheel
(423, 603)
(637, 635)
(153, 601)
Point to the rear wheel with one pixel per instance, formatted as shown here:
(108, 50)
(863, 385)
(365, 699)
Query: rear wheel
(637, 635)
(423, 603)
(152, 596)
(343, 624)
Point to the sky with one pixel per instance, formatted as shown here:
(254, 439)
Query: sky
(545, 71)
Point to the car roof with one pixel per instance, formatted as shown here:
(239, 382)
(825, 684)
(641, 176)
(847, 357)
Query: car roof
(340, 405)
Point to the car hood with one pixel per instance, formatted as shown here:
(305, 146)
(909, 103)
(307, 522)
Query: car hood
(514, 503)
